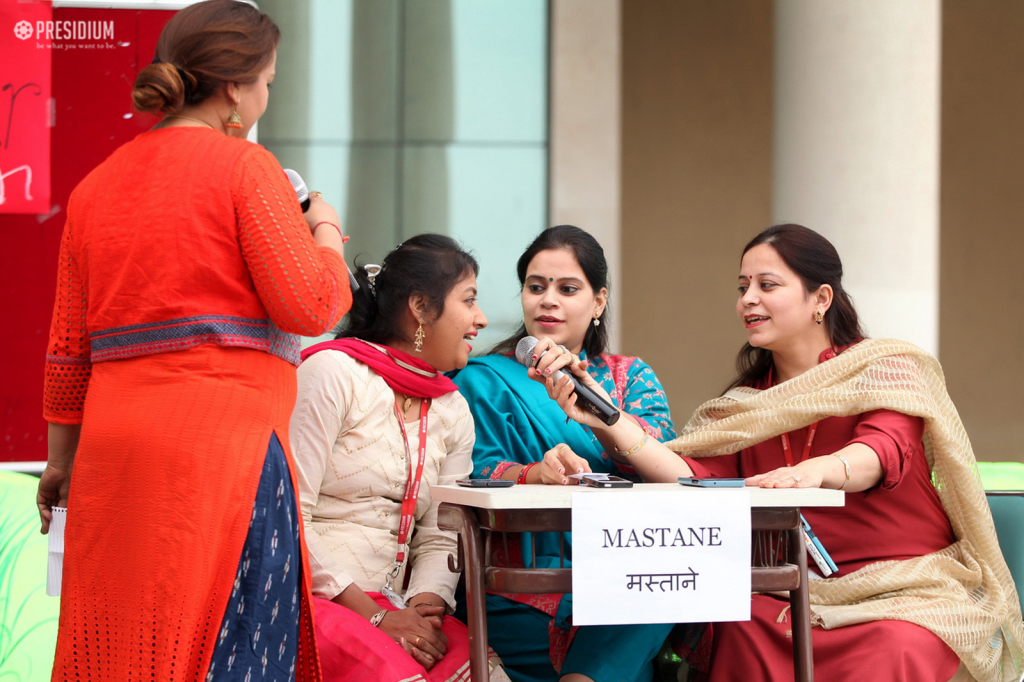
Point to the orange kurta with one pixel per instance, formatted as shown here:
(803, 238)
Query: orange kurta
(186, 269)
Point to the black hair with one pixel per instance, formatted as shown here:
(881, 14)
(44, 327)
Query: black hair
(815, 260)
(427, 264)
(590, 256)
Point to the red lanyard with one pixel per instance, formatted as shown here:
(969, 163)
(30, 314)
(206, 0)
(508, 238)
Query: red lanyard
(788, 451)
(412, 487)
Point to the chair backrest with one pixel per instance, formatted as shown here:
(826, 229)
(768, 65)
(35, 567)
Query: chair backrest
(1004, 488)
(28, 618)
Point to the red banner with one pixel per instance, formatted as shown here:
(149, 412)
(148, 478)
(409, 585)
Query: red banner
(26, 40)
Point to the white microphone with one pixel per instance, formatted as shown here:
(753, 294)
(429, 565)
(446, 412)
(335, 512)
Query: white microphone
(300, 188)
(586, 398)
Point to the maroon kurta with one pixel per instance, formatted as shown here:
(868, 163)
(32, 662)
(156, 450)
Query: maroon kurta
(899, 519)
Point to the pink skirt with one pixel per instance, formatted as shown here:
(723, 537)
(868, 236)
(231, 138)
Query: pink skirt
(352, 650)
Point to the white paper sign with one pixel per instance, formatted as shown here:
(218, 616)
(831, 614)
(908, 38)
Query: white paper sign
(660, 557)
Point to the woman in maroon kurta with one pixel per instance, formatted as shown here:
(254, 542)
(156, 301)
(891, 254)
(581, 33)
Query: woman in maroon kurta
(900, 518)
(912, 586)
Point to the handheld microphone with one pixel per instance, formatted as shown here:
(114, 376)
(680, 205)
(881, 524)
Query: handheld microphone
(300, 188)
(586, 398)
(302, 192)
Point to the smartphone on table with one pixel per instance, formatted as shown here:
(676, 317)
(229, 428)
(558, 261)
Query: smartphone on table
(608, 482)
(712, 482)
(485, 483)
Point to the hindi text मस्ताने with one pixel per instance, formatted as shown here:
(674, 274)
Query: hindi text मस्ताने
(667, 582)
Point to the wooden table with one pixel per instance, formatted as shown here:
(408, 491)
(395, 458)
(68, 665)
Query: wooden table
(539, 508)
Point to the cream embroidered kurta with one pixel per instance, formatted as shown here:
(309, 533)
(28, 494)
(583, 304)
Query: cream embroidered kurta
(352, 472)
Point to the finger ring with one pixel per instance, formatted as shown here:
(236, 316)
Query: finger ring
(316, 194)
(417, 642)
(795, 478)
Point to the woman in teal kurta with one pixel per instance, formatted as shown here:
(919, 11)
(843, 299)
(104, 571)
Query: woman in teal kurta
(564, 277)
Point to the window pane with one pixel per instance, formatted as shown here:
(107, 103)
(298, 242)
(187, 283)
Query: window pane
(420, 115)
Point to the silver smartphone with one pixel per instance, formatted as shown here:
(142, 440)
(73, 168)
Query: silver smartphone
(713, 482)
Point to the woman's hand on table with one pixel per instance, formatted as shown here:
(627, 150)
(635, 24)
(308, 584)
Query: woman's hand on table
(854, 468)
(806, 474)
(559, 463)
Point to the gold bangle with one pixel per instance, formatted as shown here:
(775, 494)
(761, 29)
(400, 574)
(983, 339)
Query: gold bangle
(636, 448)
(845, 464)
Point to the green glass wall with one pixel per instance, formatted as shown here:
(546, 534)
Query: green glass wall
(420, 116)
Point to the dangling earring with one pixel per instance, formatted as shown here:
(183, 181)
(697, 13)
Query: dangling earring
(234, 120)
(597, 322)
(818, 316)
(419, 338)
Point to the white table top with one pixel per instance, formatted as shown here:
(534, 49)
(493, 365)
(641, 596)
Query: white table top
(560, 497)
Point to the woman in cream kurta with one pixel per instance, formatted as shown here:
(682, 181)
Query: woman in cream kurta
(352, 502)
(364, 400)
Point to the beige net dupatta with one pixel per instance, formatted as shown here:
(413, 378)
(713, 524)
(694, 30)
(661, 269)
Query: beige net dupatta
(964, 593)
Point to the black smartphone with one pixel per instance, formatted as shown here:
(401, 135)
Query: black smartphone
(713, 482)
(609, 482)
(485, 483)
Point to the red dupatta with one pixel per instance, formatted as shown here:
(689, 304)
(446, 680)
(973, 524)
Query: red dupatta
(402, 372)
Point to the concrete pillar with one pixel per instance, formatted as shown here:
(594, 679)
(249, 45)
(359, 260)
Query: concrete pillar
(585, 133)
(856, 155)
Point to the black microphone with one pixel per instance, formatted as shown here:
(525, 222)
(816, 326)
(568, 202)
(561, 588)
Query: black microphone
(302, 192)
(586, 398)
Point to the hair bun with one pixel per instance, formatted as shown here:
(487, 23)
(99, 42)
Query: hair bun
(205, 45)
(159, 88)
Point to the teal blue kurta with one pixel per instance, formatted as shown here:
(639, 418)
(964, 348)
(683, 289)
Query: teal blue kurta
(516, 423)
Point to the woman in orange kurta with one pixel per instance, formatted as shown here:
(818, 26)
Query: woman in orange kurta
(186, 271)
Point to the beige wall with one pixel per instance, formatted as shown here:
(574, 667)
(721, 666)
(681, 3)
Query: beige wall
(856, 153)
(981, 325)
(696, 183)
(584, 118)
